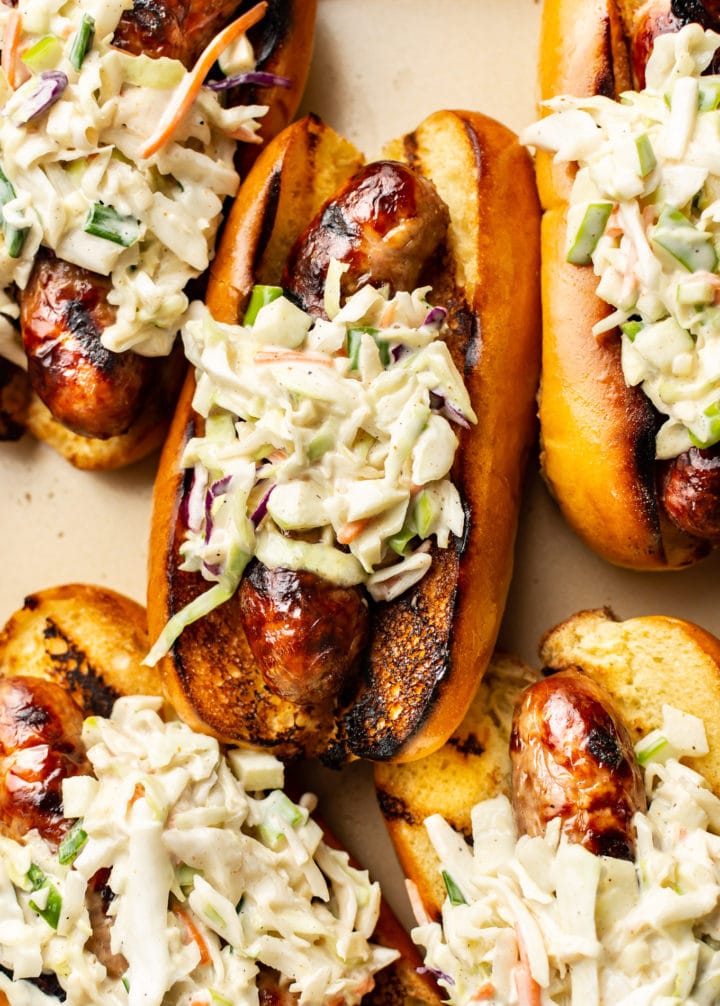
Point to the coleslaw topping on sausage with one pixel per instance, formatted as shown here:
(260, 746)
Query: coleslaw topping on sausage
(214, 877)
(537, 919)
(328, 444)
(645, 213)
(74, 116)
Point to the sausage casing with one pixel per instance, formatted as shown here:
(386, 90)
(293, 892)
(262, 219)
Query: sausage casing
(572, 758)
(40, 745)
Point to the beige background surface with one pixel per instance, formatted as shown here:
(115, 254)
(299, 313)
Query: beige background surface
(379, 67)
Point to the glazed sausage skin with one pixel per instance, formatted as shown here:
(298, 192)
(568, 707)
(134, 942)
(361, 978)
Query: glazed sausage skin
(177, 28)
(92, 391)
(387, 224)
(572, 758)
(40, 745)
(690, 490)
(306, 632)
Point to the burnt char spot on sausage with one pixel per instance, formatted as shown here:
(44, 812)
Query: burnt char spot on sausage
(80, 323)
(604, 747)
(704, 12)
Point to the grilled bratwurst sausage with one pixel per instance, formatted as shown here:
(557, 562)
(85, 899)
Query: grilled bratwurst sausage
(572, 758)
(40, 745)
(385, 225)
(88, 388)
(306, 633)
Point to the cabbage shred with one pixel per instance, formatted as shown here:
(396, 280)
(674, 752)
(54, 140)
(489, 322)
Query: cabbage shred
(645, 214)
(76, 155)
(586, 930)
(216, 873)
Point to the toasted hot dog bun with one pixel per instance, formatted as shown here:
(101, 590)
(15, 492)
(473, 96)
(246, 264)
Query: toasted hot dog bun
(637, 663)
(597, 434)
(283, 45)
(91, 641)
(430, 647)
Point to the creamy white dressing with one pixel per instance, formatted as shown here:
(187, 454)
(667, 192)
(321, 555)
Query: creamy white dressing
(84, 150)
(645, 213)
(578, 929)
(215, 872)
(328, 444)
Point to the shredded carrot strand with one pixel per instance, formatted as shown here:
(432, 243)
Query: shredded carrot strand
(290, 356)
(11, 47)
(486, 991)
(527, 988)
(189, 89)
(194, 933)
(352, 530)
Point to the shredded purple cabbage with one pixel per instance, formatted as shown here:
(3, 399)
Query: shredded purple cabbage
(259, 77)
(261, 509)
(436, 973)
(435, 316)
(51, 84)
(439, 404)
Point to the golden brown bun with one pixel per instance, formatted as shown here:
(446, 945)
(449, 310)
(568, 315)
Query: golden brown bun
(645, 663)
(90, 639)
(474, 765)
(429, 648)
(283, 43)
(597, 435)
(642, 663)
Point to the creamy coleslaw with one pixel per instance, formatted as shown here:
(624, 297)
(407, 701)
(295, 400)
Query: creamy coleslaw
(216, 877)
(328, 444)
(645, 214)
(75, 114)
(540, 920)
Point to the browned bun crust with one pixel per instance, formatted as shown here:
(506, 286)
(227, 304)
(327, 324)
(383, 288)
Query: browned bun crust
(431, 646)
(87, 638)
(283, 43)
(597, 435)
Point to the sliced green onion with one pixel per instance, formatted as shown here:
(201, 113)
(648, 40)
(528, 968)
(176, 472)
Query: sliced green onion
(646, 155)
(72, 844)
(425, 512)
(400, 541)
(589, 233)
(105, 222)
(650, 746)
(708, 95)
(44, 54)
(688, 245)
(712, 427)
(83, 40)
(14, 237)
(354, 340)
(51, 912)
(260, 295)
(453, 891)
(631, 329)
